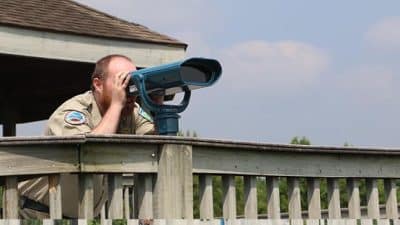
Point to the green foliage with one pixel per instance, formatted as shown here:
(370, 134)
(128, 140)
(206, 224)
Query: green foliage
(300, 141)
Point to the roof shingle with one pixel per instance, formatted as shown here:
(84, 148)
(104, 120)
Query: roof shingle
(67, 16)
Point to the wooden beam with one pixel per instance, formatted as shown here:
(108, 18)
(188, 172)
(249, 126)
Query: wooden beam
(275, 163)
(44, 44)
(38, 159)
(119, 158)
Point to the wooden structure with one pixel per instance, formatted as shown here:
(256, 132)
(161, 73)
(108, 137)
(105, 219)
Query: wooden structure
(164, 167)
(48, 49)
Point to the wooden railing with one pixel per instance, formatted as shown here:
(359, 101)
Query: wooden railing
(151, 177)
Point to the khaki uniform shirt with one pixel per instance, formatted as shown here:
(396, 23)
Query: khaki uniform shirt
(79, 115)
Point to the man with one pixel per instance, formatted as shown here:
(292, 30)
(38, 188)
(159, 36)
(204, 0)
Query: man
(106, 109)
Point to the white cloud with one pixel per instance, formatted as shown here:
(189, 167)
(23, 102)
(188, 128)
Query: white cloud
(283, 66)
(385, 34)
(368, 84)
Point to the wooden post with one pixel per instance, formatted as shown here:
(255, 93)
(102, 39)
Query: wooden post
(229, 196)
(273, 202)
(294, 206)
(103, 215)
(143, 196)
(354, 198)
(250, 197)
(314, 198)
(126, 203)
(9, 129)
(391, 199)
(11, 200)
(206, 197)
(115, 205)
(372, 198)
(333, 198)
(173, 194)
(55, 196)
(86, 196)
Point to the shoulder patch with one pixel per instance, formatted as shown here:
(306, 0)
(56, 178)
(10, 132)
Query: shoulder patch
(75, 118)
(145, 115)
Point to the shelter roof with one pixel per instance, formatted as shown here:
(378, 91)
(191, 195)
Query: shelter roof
(67, 16)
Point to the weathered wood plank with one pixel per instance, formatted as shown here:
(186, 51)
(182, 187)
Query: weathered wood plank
(314, 198)
(273, 163)
(391, 199)
(229, 197)
(333, 198)
(206, 197)
(11, 201)
(115, 203)
(250, 197)
(294, 197)
(173, 195)
(86, 204)
(372, 198)
(55, 205)
(144, 196)
(38, 159)
(273, 198)
(119, 158)
(354, 198)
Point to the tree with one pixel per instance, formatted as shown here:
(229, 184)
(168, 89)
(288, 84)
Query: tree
(302, 141)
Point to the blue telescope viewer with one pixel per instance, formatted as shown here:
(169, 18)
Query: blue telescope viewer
(170, 79)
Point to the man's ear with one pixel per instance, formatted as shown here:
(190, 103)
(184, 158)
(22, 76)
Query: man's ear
(97, 84)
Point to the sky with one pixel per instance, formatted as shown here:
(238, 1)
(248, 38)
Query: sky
(327, 70)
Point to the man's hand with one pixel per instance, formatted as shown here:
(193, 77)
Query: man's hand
(118, 92)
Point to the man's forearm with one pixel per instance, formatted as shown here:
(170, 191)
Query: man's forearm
(109, 122)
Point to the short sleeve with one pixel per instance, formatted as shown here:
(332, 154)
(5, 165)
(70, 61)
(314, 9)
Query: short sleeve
(143, 122)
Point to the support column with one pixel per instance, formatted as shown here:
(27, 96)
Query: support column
(173, 192)
(9, 129)
(273, 202)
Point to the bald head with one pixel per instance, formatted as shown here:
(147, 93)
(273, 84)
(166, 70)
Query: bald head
(108, 64)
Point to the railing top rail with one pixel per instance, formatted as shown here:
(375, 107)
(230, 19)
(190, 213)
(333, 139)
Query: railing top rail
(155, 139)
